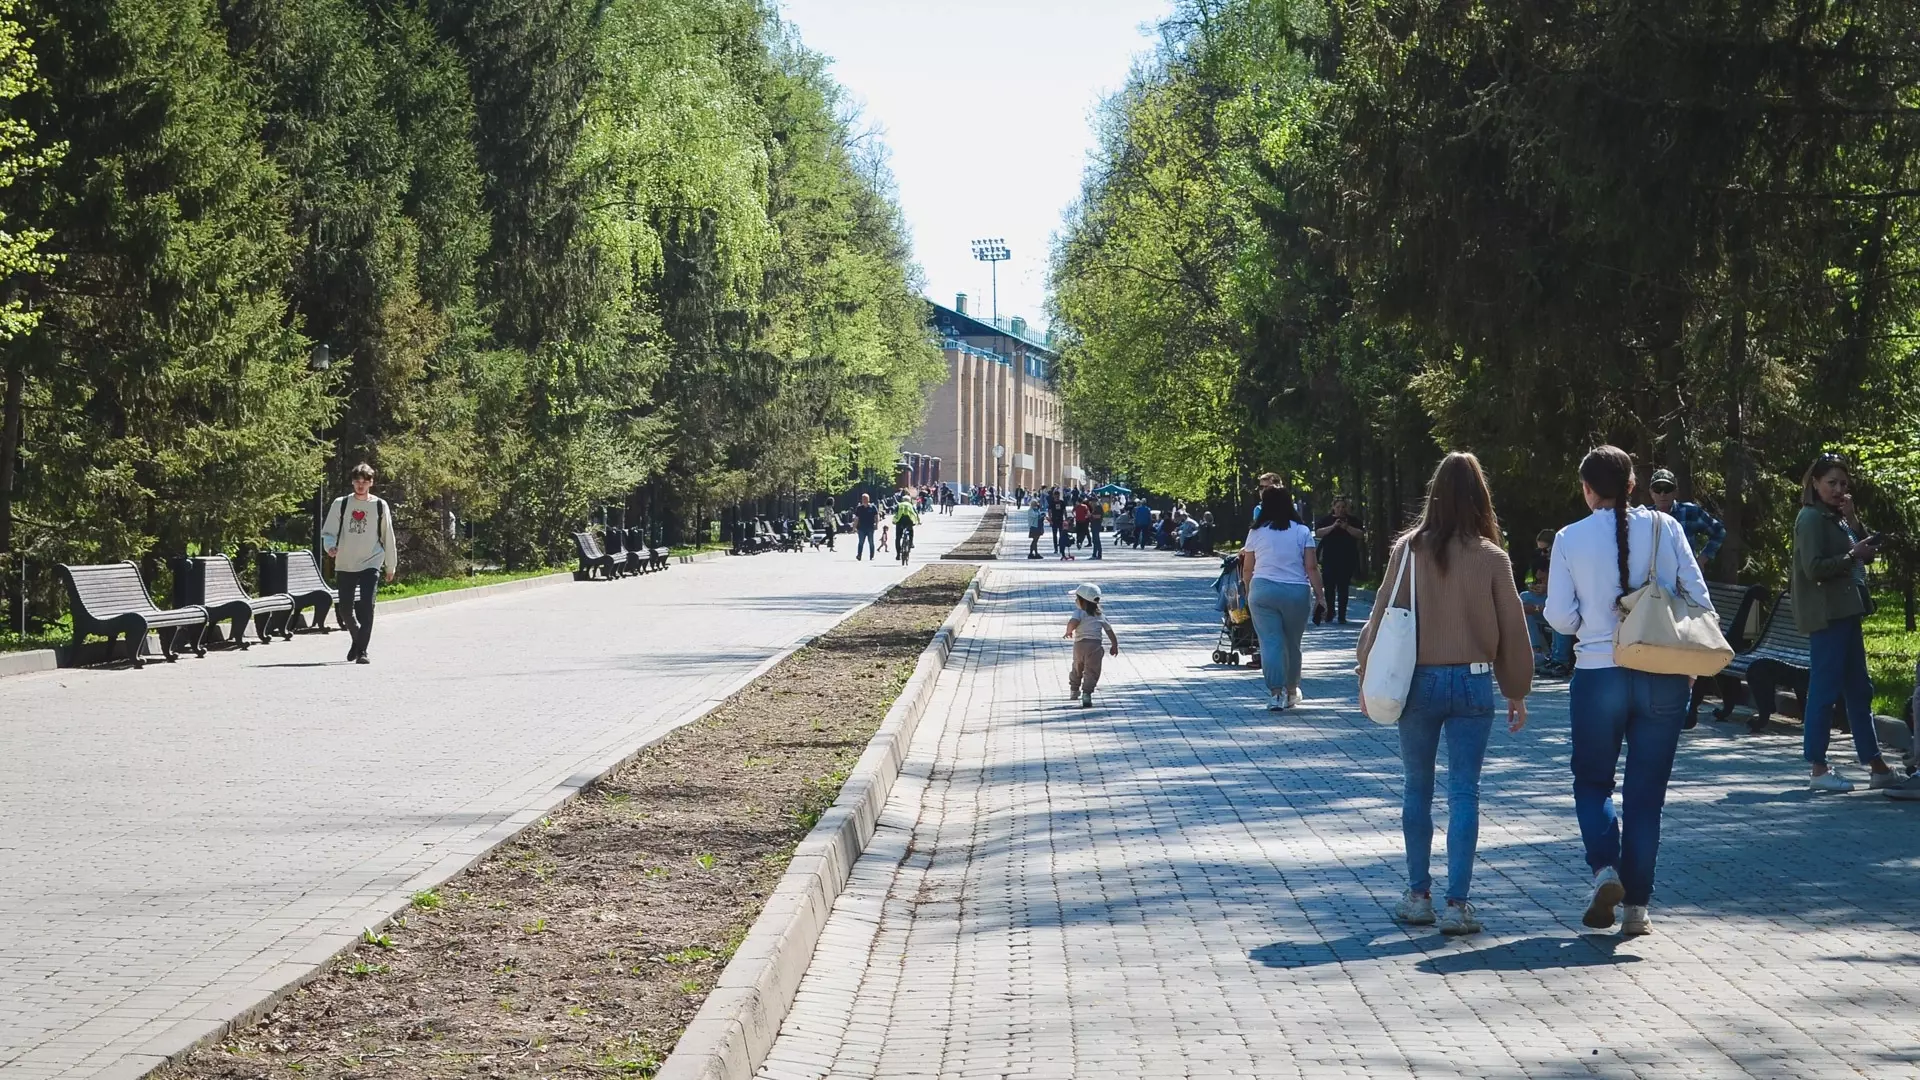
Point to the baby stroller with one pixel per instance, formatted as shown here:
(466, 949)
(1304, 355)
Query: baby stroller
(1236, 622)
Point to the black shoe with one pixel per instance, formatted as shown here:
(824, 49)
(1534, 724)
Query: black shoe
(363, 658)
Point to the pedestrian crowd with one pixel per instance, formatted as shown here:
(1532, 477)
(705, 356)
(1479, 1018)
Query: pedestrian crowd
(1619, 601)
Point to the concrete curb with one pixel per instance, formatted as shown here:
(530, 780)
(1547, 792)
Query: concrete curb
(38, 660)
(248, 1005)
(734, 1030)
(26, 663)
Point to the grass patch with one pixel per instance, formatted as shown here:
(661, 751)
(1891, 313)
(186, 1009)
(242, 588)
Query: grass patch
(1891, 652)
(404, 588)
(52, 637)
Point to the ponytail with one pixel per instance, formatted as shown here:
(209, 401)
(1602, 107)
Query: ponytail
(1609, 472)
(1620, 544)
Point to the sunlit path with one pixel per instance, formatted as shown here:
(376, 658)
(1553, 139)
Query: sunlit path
(1177, 883)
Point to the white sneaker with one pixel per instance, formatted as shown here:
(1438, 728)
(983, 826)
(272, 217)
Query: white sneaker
(1831, 780)
(1634, 921)
(1459, 919)
(1607, 893)
(1884, 781)
(1294, 698)
(1414, 910)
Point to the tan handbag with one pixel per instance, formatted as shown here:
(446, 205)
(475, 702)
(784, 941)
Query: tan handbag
(1664, 633)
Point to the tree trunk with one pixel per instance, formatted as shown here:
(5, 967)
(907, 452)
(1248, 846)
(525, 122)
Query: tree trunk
(1733, 552)
(12, 434)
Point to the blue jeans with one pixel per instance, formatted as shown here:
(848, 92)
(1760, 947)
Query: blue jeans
(1447, 698)
(1279, 613)
(1839, 673)
(1610, 705)
(1546, 639)
(865, 543)
(1096, 539)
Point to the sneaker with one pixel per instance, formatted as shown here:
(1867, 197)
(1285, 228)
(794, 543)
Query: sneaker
(1274, 704)
(1885, 781)
(363, 658)
(1831, 780)
(1086, 700)
(1294, 698)
(1459, 919)
(1634, 921)
(1907, 790)
(1414, 910)
(1607, 893)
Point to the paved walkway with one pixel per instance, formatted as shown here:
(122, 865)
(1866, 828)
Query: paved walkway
(1177, 883)
(177, 841)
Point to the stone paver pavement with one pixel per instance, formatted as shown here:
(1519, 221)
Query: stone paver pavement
(1177, 883)
(177, 841)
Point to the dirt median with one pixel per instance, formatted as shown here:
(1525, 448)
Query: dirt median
(584, 947)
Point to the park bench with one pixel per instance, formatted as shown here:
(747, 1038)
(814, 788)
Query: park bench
(1780, 658)
(111, 600)
(1739, 608)
(616, 549)
(297, 574)
(790, 537)
(592, 558)
(209, 581)
(652, 558)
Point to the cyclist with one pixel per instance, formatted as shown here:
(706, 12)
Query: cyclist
(904, 519)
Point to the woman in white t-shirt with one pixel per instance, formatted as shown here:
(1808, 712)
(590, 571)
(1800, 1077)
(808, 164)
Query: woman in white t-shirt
(1280, 574)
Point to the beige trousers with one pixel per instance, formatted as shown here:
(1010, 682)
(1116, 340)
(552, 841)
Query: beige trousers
(1087, 656)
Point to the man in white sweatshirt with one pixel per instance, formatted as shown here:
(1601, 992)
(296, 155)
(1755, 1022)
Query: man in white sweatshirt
(358, 533)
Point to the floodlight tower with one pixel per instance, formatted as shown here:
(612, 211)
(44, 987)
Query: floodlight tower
(993, 253)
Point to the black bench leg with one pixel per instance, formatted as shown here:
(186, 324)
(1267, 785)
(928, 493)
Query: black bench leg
(1762, 689)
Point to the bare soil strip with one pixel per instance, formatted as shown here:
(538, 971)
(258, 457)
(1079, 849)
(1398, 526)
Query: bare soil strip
(984, 544)
(584, 947)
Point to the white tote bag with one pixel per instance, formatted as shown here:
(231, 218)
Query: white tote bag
(1396, 649)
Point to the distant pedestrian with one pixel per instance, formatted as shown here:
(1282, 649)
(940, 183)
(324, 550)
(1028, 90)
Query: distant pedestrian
(1099, 522)
(1472, 639)
(1142, 523)
(1340, 534)
(1036, 524)
(1704, 532)
(1831, 550)
(1280, 576)
(1085, 629)
(866, 521)
(1597, 561)
(1082, 514)
(358, 534)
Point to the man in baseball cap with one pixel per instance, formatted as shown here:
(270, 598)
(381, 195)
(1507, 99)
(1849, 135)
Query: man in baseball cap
(1704, 531)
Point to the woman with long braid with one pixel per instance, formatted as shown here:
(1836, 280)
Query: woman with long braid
(1596, 562)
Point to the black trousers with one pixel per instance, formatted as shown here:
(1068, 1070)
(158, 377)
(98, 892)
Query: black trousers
(1338, 581)
(356, 604)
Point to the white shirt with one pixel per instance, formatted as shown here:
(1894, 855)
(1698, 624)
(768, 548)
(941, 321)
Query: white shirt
(1280, 555)
(1584, 583)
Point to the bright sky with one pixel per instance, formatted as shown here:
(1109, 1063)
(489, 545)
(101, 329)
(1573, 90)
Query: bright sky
(987, 107)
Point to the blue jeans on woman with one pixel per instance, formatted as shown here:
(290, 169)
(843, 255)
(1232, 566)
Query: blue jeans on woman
(1279, 611)
(1445, 699)
(1611, 705)
(1838, 673)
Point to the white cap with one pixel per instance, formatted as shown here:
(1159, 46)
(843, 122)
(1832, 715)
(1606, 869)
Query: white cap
(1088, 592)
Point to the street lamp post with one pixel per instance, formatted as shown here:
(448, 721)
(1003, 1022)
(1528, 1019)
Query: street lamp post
(318, 362)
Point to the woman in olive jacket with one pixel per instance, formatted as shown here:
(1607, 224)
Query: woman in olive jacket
(1830, 554)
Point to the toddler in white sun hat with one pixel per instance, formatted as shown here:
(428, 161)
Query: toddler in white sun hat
(1085, 628)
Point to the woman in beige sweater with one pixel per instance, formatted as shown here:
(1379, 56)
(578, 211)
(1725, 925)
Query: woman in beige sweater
(1472, 634)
